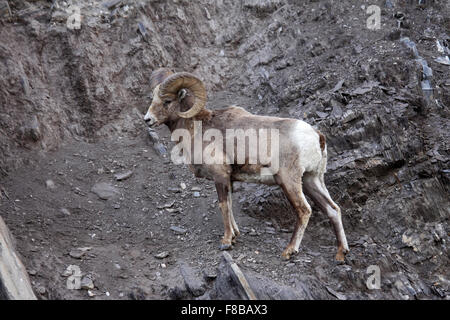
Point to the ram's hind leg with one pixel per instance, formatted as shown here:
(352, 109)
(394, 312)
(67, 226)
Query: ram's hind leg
(233, 222)
(315, 188)
(224, 193)
(292, 187)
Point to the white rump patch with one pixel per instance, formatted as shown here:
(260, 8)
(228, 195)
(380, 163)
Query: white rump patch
(308, 142)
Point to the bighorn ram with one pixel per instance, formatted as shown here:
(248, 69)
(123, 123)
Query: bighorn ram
(179, 101)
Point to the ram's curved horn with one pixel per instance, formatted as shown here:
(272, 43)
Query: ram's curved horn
(158, 76)
(185, 80)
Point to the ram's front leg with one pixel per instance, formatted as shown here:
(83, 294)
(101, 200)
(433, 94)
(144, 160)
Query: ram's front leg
(223, 188)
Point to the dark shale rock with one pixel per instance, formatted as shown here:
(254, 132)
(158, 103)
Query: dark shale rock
(227, 287)
(194, 284)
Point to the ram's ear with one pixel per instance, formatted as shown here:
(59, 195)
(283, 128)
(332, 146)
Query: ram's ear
(182, 94)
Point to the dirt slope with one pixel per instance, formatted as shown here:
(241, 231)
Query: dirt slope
(71, 103)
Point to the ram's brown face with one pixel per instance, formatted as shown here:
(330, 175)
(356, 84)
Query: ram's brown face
(176, 91)
(159, 111)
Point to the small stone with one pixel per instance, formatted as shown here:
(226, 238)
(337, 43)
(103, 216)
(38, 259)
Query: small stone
(153, 135)
(160, 148)
(32, 272)
(337, 111)
(270, 230)
(196, 189)
(412, 240)
(209, 275)
(76, 253)
(105, 191)
(338, 86)
(111, 4)
(196, 194)
(116, 206)
(208, 16)
(65, 212)
(338, 295)
(350, 115)
(34, 128)
(162, 255)
(443, 60)
(87, 283)
(360, 91)
(290, 265)
(135, 253)
(41, 290)
(141, 29)
(72, 270)
(167, 205)
(183, 185)
(50, 184)
(178, 230)
(124, 175)
(321, 114)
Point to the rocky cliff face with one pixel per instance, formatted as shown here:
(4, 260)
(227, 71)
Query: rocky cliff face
(387, 134)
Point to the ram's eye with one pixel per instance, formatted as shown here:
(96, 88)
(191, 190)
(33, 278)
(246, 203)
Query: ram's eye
(167, 102)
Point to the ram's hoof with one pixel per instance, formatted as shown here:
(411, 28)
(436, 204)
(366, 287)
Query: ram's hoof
(288, 253)
(340, 255)
(225, 247)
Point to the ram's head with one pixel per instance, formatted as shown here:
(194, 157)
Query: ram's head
(176, 95)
